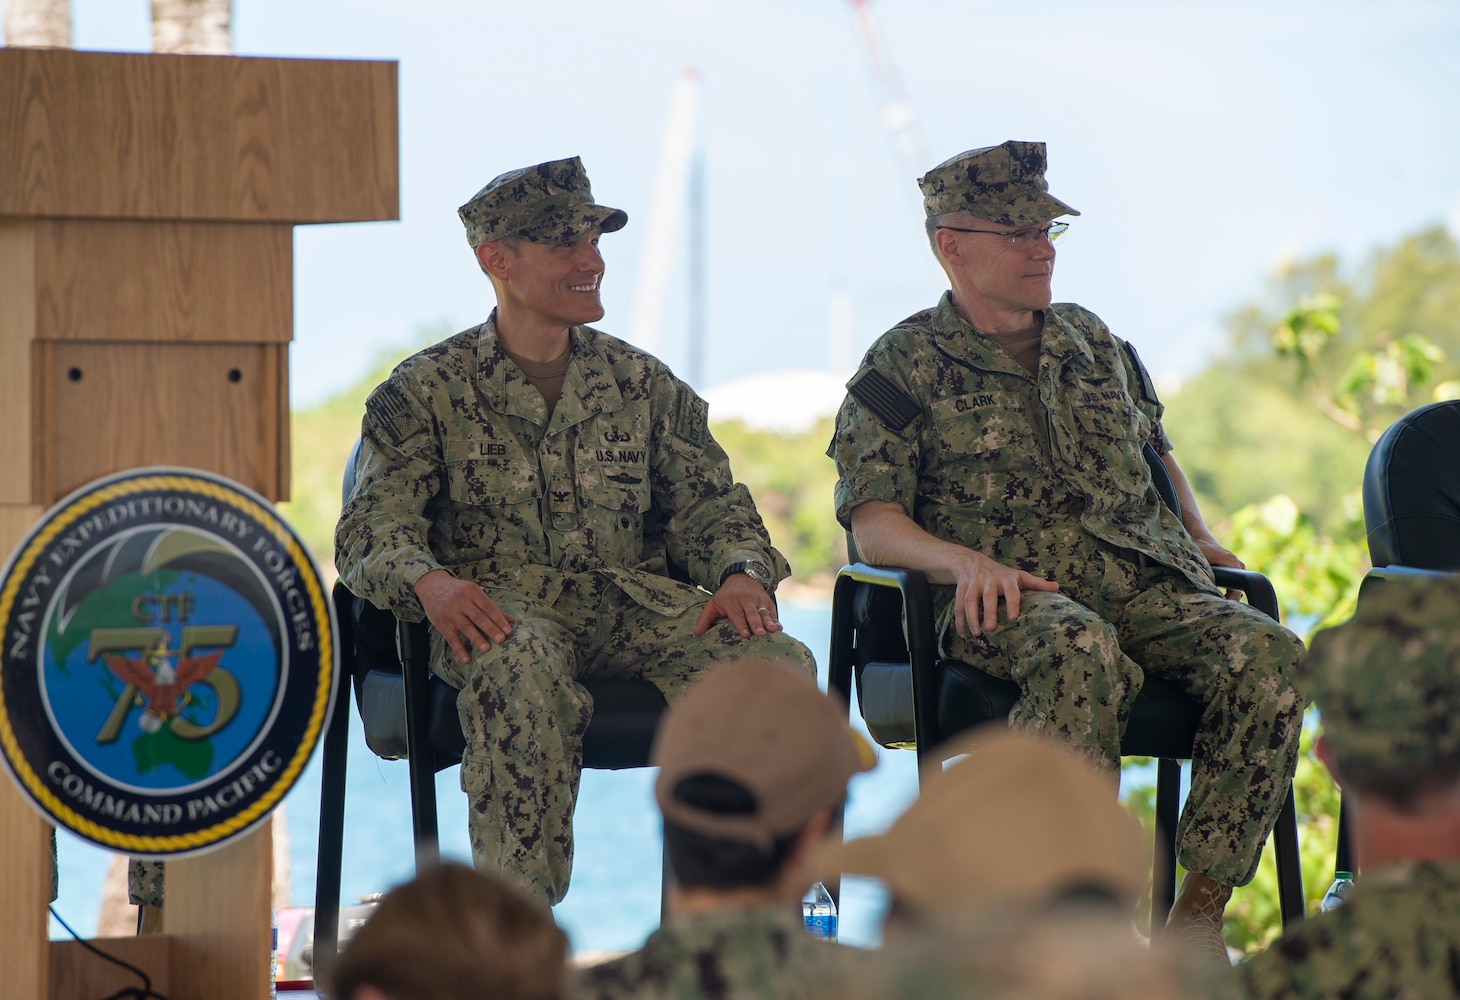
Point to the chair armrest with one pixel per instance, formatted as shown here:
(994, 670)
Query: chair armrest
(1397, 571)
(918, 630)
(1257, 587)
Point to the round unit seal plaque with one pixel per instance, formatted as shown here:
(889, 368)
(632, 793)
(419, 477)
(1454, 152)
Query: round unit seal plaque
(169, 661)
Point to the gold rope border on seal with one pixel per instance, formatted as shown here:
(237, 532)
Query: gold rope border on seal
(325, 681)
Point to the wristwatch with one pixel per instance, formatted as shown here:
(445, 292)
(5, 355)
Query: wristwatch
(753, 568)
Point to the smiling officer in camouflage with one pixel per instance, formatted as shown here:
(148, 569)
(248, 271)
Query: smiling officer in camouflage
(995, 442)
(525, 485)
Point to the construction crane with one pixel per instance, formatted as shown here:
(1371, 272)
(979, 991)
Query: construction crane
(672, 182)
(898, 114)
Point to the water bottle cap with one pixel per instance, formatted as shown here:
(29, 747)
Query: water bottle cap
(1341, 875)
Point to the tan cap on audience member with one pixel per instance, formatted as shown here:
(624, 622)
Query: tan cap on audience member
(1018, 820)
(759, 724)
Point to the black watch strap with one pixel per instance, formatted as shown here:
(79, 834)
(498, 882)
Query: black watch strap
(756, 570)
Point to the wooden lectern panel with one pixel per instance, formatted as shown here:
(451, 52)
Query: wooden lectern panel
(105, 407)
(17, 326)
(120, 135)
(215, 282)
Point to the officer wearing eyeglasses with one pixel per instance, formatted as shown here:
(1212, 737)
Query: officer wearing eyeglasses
(995, 442)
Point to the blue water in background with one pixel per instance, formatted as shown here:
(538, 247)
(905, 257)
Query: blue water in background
(613, 902)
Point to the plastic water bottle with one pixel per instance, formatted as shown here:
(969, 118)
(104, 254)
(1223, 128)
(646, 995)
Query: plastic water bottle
(1343, 884)
(273, 954)
(819, 913)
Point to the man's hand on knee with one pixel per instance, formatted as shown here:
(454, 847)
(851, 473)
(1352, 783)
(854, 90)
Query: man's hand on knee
(982, 582)
(750, 609)
(463, 613)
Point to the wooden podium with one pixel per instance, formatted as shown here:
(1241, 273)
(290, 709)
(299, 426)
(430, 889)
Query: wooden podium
(147, 206)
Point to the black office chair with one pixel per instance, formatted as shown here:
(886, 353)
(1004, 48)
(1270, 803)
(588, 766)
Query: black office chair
(883, 639)
(1411, 511)
(408, 712)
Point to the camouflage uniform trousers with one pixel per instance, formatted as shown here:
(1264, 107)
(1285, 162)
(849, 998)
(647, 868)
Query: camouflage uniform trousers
(144, 882)
(524, 713)
(1080, 656)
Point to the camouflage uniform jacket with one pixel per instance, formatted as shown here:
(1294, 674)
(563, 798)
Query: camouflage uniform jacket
(763, 953)
(1397, 935)
(1026, 469)
(461, 468)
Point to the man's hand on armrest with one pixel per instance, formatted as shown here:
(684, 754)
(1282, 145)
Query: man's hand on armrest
(463, 613)
(886, 536)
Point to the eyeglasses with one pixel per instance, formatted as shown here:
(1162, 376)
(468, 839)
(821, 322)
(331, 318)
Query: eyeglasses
(1022, 239)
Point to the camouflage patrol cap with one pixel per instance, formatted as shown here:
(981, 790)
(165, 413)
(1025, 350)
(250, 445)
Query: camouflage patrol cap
(1020, 819)
(757, 723)
(1387, 681)
(547, 203)
(1002, 184)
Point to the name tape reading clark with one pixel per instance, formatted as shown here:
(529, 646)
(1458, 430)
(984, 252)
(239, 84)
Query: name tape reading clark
(169, 661)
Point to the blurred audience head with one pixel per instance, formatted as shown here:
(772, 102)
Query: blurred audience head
(753, 765)
(453, 933)
(1015, 821)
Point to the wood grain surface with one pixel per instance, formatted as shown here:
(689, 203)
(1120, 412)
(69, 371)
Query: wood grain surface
(106, 407)
(214, 282)
(119, 135)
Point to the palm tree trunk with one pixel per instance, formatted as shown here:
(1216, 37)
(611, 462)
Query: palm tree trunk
(42, 24)
(192, 26)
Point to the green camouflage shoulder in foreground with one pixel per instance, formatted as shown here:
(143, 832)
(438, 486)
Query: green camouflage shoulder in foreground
(1396, 936)
(759, 953)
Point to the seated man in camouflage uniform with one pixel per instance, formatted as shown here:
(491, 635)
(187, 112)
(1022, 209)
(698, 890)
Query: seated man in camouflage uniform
(1387, 684)
(995, 443)
(754, 764)
(525, 485)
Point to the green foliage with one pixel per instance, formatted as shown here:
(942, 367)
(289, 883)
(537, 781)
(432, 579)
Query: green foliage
(1316, 576)
(791, 479)
(1282, 448)
(321, 439)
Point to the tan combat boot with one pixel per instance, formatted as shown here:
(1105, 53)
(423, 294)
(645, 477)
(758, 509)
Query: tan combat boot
(1195, 923)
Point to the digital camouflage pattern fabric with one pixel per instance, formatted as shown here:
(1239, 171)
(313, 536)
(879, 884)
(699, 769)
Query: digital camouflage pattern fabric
(1002, 184)
(1388, 680)
(569, 523)
(1046, 473)
(1394, 937)
(747, 954)
(144, 882)
(546, 203)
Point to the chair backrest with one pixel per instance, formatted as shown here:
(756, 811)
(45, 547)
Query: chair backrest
(1412, 490)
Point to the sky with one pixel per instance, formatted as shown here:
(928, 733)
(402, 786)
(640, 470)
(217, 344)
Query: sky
(1204, 144)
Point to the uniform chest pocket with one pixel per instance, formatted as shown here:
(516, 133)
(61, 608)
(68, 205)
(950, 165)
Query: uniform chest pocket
(619, 488)
(985, 425)
(486, 483)
(1114, 416)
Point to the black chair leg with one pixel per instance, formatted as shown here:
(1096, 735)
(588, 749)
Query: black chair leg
(1289, 864)
(1168, 812)
(331, 827)
(415, 655)
(1343, 860)
(666, 883)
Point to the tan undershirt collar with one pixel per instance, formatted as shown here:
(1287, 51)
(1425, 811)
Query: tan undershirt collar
(546, 376)
(1023, 345)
